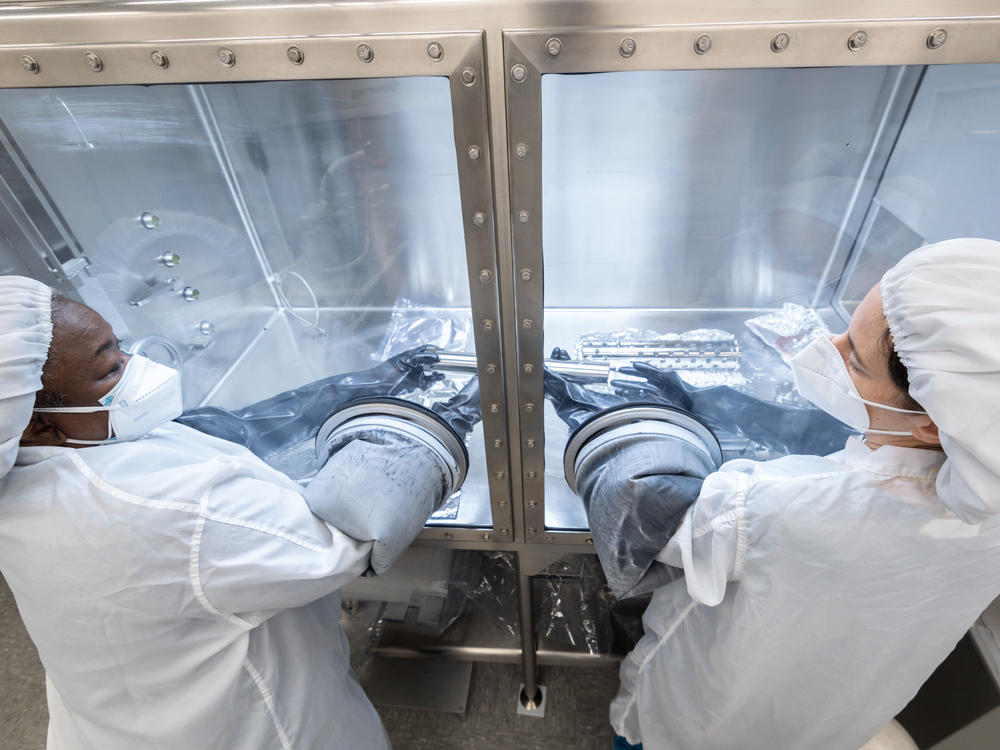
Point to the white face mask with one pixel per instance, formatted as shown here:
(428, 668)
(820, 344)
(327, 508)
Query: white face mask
(822, 377)
(147, 395)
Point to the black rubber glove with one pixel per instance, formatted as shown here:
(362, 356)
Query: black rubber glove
(462, 411)
(657, 385)
(574, 402)
(281, 421)
(781, 428)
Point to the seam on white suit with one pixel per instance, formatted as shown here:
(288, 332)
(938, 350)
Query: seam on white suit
(741, 533)
(297, 540)
(194, 568)
(128, 497)
(265, 693)
(652, 652)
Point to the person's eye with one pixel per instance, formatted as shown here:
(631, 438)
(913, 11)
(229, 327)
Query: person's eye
(113, 371)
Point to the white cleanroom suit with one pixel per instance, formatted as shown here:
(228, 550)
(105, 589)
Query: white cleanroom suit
(819, 593)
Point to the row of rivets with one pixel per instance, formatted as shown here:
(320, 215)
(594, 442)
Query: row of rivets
(159, 58)
(703, 45)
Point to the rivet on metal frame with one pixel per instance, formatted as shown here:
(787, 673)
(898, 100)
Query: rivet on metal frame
(488, 325)
(295, 55)
(503, 504)
(703, 44)
(94, 62)
(505, 532)
(532, 531)
(160, 59)
(589, 540)
(435, 51)
(527, 324)
(494, 408)
(532, 475)
(530, 408)
(523, 217)
(531, 442)
(475, 153)
(519, 73)
(227, 57)
(525, 274)
(529, 369)
(365, 53)
(498, 443)
(491, 369)
(479, 218)
(468, 77)
(486, 276)
(553, 46)
(30, 64)
(627, 47)
(500, 475)
(780, 42)
(487, 536)
(937, 38)
(532, 503)
(521, 150)
(857, 40)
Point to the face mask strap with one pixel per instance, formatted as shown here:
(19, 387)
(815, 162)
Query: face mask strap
(857, 396)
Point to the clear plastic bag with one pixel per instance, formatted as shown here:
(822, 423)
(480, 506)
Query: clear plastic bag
(410, 325)
(573, 604)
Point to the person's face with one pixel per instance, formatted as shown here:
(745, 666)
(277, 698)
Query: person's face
(865, 350)
(84, 363)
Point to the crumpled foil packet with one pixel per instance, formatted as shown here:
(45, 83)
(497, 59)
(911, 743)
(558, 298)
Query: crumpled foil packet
(789, 330)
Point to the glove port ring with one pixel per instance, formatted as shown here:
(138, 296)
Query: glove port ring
(395, 414)
(677, 422)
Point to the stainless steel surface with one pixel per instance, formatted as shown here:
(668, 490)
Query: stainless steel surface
(526, 620)
(579, 368)
(475, 638)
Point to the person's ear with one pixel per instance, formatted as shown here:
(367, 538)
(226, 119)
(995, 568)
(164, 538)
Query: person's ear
(40, 431)
(927, 432)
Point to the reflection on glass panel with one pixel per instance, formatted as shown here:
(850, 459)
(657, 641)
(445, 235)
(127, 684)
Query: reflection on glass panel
(937, 184)
(318, 221)
(700, 188)
(680, 204)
